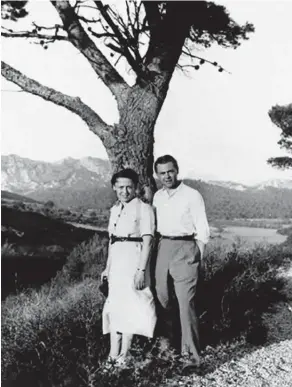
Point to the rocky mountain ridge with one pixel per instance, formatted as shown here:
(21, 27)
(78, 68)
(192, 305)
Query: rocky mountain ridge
(24, 176)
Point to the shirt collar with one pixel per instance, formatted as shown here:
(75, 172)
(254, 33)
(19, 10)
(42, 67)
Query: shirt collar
(131, 202)
(173, 191)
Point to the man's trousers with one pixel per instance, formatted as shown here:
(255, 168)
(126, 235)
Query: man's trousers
(180, 260)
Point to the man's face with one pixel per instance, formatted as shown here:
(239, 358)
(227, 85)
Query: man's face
(125, 189)
(167, 174)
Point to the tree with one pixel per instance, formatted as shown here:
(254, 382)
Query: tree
(282, 117)
(49, 204)
(152, 38)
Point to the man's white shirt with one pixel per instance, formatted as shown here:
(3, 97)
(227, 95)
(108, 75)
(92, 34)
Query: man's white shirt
(181, 211)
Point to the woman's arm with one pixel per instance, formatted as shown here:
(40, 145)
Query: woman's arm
(139, 280)
(105, 273)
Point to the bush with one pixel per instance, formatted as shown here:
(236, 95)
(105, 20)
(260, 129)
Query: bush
(86, 260)
(236, 288)
(45, 333)
(49, 204)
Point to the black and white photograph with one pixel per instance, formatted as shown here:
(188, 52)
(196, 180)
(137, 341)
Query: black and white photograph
(146, 193)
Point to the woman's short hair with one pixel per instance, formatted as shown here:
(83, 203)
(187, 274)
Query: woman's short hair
(126, 173)
(164, 160)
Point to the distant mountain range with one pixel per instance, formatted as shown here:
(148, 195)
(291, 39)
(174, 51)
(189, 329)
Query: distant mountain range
(65, 182)
(275, 183)
(24, 176)
(86, 183)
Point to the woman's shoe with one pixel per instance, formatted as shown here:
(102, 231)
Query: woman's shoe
(109, 363)
(122, 362)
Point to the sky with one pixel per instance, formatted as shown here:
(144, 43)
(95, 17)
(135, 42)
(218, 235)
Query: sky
(215, 124)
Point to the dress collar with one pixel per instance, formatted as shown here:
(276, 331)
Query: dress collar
(130, 203)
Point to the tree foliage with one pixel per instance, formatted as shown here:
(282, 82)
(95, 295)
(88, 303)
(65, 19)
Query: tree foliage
(13, 10)
(282, 117)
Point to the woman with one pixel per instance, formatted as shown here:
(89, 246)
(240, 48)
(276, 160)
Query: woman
(129, 308)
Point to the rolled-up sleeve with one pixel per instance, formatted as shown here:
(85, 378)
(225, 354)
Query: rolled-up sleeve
(147, 220)
(199, 217)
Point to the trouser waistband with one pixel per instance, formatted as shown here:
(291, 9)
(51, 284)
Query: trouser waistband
(177, 237)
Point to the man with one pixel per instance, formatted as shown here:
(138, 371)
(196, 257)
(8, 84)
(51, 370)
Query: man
(183, 232)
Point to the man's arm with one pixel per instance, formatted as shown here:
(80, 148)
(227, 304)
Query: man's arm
(200, 222)
(201, 246)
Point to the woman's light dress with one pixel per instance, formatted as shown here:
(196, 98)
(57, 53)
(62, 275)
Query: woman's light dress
(126, 309)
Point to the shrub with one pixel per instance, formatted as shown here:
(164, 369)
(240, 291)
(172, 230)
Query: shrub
(46, 332)
(86, 260)
(235, 290)
(49, 204)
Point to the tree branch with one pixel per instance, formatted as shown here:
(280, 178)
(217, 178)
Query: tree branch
(74, 104)
(81, 40)
(123, 42)
(32, 34)
(152, 14)
(202, 61)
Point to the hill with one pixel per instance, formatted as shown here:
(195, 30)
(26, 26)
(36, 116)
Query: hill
(85, 183)
(226, 203)
(15, 197)
(32, 233)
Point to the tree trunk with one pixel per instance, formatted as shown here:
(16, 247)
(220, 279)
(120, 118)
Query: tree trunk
(131, 142)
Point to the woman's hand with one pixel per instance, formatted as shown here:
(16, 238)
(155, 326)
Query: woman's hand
(139, 280)
(104, 273)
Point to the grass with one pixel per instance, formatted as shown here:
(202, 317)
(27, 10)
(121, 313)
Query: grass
(8, 250)
(52, 337)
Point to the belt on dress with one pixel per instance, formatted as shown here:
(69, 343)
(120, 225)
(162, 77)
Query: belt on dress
(177, 237)
(114, 238)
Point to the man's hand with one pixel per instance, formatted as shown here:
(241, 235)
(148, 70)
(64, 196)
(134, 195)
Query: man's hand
(139, 280)
(201, 247)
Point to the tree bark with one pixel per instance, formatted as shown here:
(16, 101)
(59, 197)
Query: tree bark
(132, 139)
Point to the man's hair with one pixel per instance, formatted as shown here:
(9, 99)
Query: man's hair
(164, 160)
(126, 173)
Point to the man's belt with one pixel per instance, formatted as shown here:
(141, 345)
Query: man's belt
(177, 237)
(114, 238)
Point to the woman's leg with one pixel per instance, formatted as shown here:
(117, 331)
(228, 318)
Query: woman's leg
(126, 344)
(116, 340)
